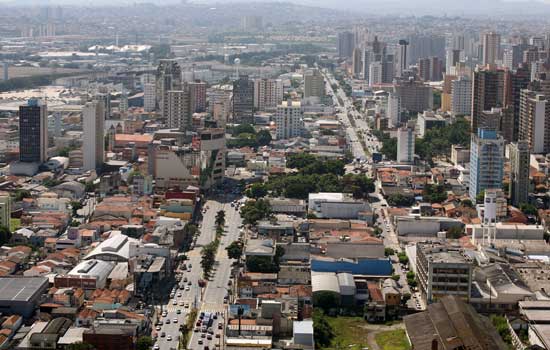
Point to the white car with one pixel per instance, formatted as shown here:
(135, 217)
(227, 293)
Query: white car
(156, 347)
(175, 320)
(187, 288)
(169, 338)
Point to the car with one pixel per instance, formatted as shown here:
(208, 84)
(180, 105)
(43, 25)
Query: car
(178, 311)
(210, 331)
(200, 342)
(167, 321)
(164, 313)
(196, 330)
(203, 335)
(174, 302)
(187, 288)
(158, 328)
(175, 320)
(198, 324)
(181, 303)
(190, 265)
(186, 305)
(217, 335)
(179, 295)
(169, 338)
(163, 334)
(185, 279)
(209, 337)
(220, 325)
(215, 316)
(189, 283)
(206, 347)
(156, 347)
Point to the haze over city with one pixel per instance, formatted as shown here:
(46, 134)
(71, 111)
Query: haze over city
(294, 175)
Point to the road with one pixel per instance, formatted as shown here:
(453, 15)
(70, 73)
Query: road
(209, 298)
(217, 288)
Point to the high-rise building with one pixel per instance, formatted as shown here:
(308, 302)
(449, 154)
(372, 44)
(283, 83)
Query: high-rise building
(268, 93)
(5, 70)
(367, 59)
(243, 100)
(405, 145)
(197, 96)
(33, 132)
(519, 172)
(314, 84)
(346, 43)
(451, 59)
(491, 48)
(168, 79)
(430, 69)
(461, 96)
(288, 120)
(178, 109)
(149, 97)
(251, 23)
(93, 141)
(402, 63)
(5, 209)
(515, 81)
(488, 91)
(534, 121)
(123, 104)
(106, 100)
(388, 69)
(357, 62)
(375, 73)
(486, 161)
(414, 96)
(425, 46)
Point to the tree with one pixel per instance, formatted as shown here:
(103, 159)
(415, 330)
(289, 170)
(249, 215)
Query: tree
(144, 343)
(76, 206)
(388, 251)
(5, 235)
(263, 264)
(263, 138)
(74, 223)
(208, 256)
(455, 232)
(243, 129)
(480, 197)
(254, 210)
(220, 218)
(20, 194)
(528, 209)
(257, 190)
(322, 331)
(467, 203)
(235, 250)
(389, 148)
(399, 200)
(434, 193)
(403, 258)
(326, 300)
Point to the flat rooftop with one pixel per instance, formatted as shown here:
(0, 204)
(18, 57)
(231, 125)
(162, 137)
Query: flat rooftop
(20, 288)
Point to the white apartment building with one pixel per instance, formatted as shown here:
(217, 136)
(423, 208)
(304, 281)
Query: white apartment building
(288, 120)
(405, 145)
(461, 96)
(149, 97)
(268, 93)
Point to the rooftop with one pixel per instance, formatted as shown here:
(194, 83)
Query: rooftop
(20, 288)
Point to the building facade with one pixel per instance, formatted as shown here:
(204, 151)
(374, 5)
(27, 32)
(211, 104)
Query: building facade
(93, 142)
(289, 120)
(486, 161)
(519, 172)
(33, 132)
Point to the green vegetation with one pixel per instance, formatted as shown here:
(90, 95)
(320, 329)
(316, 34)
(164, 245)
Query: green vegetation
(348, 333)
(256, 190)
(393, 340)
(437, 99)
(455, 232)
(388, 251)
(5, 235)
(144, 343)
(235, 250)
(15, 224)
(528, 209)
(399, 200)
(244, 135)
(438, 141)
(265, 264)
(403, 258)
(254, 210)
(322, 330)
(434, 193)
(76, 206)
(186, 328)
(411, 280)
(502, 328)
(20, 194)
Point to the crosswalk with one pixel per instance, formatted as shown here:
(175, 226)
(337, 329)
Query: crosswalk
(211, 307)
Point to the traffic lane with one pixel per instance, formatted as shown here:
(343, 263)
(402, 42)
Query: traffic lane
(200, 339)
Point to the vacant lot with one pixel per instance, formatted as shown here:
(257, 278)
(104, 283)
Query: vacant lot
(392, 340)
(349, 333)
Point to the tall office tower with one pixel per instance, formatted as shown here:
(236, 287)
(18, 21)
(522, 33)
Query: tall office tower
(288, 120)
(251, 23)
(268, 93)
(486, 161)
(534, 121)
(243, 100)
(425, 46)
(367, 59)
(393, 110)
(446, 92)
(314, 84)
(149, 97)
(405, 145)
(414, 96)
(5, 209)
(345, 44)
(357, 62)
(402, 63)
(461, 96)
(515, 81)
(424, 69)
(451, 59)
(436, 69)
(178, 109)
(93, 140)
(375, 73)
(5, 69)
(488, 91)
(168, 78)
(491, 47)
(530, 55)
(519, 172)
(537, 41)
(360, 36)
(388, 69)
(106, 100)
(33, 132)
(197, 96)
